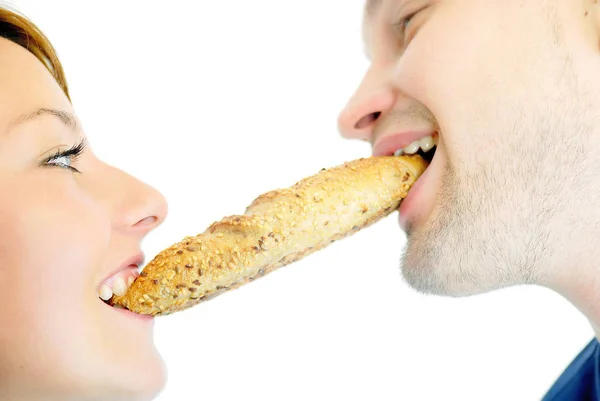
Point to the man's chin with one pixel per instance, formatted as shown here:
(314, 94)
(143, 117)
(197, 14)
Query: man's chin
(440, 270)
(429, 281)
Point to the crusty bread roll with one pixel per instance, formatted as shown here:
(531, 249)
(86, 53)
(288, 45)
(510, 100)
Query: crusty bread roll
(279, 227)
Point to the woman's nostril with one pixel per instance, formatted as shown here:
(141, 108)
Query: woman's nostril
(367, 120)
(147, 221)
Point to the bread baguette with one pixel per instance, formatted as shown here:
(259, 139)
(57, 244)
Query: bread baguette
(277, 228)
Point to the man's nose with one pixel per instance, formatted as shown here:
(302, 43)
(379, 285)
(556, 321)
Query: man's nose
(373, 99)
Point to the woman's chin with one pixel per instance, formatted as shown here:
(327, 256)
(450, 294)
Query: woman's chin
(127, 355)
(148, 378)
(136, 376)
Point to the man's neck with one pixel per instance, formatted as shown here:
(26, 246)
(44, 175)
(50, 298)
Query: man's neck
(582, 290)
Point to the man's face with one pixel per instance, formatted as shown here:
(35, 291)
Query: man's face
(509, 89)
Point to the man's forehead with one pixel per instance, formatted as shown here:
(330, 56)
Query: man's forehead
(371, 8)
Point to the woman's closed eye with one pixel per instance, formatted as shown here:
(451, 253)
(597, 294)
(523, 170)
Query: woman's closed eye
(66, 158)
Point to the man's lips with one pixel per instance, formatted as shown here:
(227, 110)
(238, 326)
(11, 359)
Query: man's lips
(418, 202)
(418, 205)
(409, 207)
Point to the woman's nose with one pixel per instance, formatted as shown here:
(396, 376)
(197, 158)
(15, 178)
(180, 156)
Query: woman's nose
(147, 208)
(136, 205)
(371, 100)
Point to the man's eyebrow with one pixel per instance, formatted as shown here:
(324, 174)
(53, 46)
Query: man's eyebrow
(65, 117)
(372, 6)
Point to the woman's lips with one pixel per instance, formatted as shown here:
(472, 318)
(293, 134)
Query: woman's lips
(118, 284)
(130, 314)
(134, 315)
(119, 281)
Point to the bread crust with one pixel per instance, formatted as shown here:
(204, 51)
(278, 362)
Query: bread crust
(276, 229)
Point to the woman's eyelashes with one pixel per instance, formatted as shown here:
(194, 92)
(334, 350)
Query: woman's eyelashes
(66, 158)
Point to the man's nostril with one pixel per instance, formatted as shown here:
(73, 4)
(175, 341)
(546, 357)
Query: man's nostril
(367, 120)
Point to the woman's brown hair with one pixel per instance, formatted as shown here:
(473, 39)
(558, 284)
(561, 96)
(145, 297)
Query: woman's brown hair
(20, 30)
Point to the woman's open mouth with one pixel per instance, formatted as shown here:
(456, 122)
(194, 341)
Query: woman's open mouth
(118, 284)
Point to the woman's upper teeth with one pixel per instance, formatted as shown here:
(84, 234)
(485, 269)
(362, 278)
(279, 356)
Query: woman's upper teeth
(426, 144)
(118, 284)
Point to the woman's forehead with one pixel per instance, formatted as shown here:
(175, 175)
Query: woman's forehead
(25, 84)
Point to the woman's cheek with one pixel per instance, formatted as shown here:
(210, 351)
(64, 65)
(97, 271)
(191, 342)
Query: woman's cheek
(56, 245)
(51, 253)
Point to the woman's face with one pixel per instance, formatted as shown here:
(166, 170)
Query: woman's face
(62, 235)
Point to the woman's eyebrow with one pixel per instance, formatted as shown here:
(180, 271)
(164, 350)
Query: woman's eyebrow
(65, 117)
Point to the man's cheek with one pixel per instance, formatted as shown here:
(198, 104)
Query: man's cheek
(446, 62)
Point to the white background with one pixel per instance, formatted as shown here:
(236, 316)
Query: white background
(215, 102)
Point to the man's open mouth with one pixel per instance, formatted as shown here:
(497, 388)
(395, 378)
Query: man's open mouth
(425, 147)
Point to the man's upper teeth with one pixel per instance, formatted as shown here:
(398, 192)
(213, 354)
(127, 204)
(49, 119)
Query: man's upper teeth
(425, 143)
